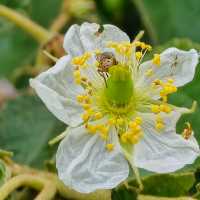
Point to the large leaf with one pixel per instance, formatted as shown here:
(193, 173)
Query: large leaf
(170, 18)
(160, 185)
(169, 185)
(26, 127)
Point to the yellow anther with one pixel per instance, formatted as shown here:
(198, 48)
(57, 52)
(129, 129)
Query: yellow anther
(143, 45)
(174, 89)
(170, 80)
(159, 119)
(138, 55)
(86, 106)
(138, 120)
(156, 59)
(155, 108)
(133, 124)
(124, 137)
(90, 111)
(135, 139)
(80, 98)
(149, 72)
(77, 74)
(81, 60)
(148, 47)
(159, 126)
(120, 121)
(85, 116)
(87, 99)
(91, 128)
(78, 81)
(165, 108)
(137, 129)
(104, 130)
(137, 43)
(111, 121)
(110, 147)
(98, 115)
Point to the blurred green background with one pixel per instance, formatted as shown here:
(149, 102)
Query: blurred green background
(166, 23)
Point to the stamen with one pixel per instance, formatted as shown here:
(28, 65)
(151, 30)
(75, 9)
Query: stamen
(156, 59)
(81, 60)
(134, 132)
(138, 55)
(110, 147)
(159, 124)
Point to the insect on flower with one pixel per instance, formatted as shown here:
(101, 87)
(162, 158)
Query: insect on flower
(105, 61)
(125, 122)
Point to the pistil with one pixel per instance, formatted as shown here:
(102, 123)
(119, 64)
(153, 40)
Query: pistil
(119, 90)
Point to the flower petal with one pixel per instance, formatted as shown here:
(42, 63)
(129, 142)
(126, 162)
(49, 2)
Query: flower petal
(176, 64)
(58, 91)
(87, 37)
(166, 151)
(72, 41)
(94, 38)
(85, 165)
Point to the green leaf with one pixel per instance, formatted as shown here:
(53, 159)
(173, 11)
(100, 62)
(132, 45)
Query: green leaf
(167, 19)
(17, 48)
(168, 185)
(122, 193)
(26, 127)
(148, 197)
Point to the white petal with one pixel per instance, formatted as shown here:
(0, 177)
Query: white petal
(92, 39)
(80, 39)
(58, 91)
(72, 41)
(85, 165)
(176, 64)
(166, 151)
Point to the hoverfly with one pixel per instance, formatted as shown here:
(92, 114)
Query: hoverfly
(105, 61)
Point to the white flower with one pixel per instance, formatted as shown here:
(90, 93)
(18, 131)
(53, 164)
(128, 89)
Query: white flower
(116, 107)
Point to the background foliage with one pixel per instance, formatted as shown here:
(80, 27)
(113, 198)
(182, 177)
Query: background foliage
(166, 23)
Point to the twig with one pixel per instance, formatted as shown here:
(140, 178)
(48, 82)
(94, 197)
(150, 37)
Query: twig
(48, 189)
(36, 31)
(63, 190)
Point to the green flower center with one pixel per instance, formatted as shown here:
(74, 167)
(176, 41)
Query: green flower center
(119, 90)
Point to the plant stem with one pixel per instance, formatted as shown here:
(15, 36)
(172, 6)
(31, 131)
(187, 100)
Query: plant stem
(62, 189)
(4, 153)
(48, 190)
(36, 31)
(146, 20)
(135, 169)
(57, 138)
